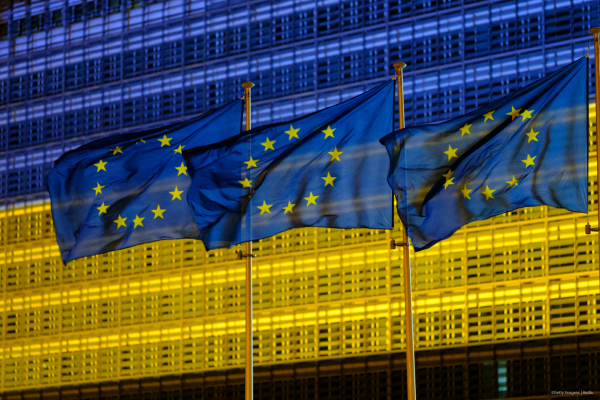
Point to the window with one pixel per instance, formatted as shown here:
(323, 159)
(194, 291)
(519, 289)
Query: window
(19, 27)
(114, 6)
(3, 31)
(56, 18)
(37, 23)
(75, 14)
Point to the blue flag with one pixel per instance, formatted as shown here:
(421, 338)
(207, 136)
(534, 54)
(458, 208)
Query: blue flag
(326, 169)
(131, 189)
(526, 149)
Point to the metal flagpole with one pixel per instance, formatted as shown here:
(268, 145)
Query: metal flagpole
(408, 318)
(588, 229)
(249, 346)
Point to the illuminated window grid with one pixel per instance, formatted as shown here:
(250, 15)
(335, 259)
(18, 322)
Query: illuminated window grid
(338, 294)
(32, 142)
(99, 62)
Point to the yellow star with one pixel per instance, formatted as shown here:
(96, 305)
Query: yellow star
(289, 208)
(265, 208)
(98, 188)
(514, 113)
(246, 183)
(335, 154)
(158, 212)
(531, 135)
(120, 222)
(451, 152)
(178, 150)
(529, 161)
(138, 221)
(100, 166)
(328, 132)
(514, 182)
(141, 140)
(102, 209)
(466, 192)
(165, 141)
(268, 144)
(311, 199)
(488, 193)
(176, 194)
(465, 129)
(251, 163)
(182, 169)
(328, 179)
(293, 132)
(448, 183)
(116, 150)
(448, 174)
(526, 114)
(488, 116)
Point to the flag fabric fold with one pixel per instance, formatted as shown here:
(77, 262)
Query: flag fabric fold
(526, 149)
(326, 169)
(130, 189)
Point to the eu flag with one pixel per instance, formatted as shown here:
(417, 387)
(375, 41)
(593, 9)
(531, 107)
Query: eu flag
(130, 189)
(526, 149)
(326, 169)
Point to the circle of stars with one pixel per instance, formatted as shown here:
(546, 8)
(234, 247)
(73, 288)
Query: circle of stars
(529, 161)
(269, 145)
(138, 221)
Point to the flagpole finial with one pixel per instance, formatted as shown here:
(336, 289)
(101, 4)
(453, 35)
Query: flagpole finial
(399, 65)
(247, 85)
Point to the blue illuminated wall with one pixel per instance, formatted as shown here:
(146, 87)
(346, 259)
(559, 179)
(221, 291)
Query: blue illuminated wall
(71, 72)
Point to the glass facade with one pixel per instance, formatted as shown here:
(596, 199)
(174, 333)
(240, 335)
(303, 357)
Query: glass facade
(72, 72)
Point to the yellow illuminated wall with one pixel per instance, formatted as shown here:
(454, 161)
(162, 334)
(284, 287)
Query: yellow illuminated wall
(170, 307)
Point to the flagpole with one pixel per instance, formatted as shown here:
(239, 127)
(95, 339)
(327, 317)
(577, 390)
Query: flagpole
(408, 317)
(249, 346)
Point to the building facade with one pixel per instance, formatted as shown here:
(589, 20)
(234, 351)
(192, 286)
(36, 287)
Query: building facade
(507, 307)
